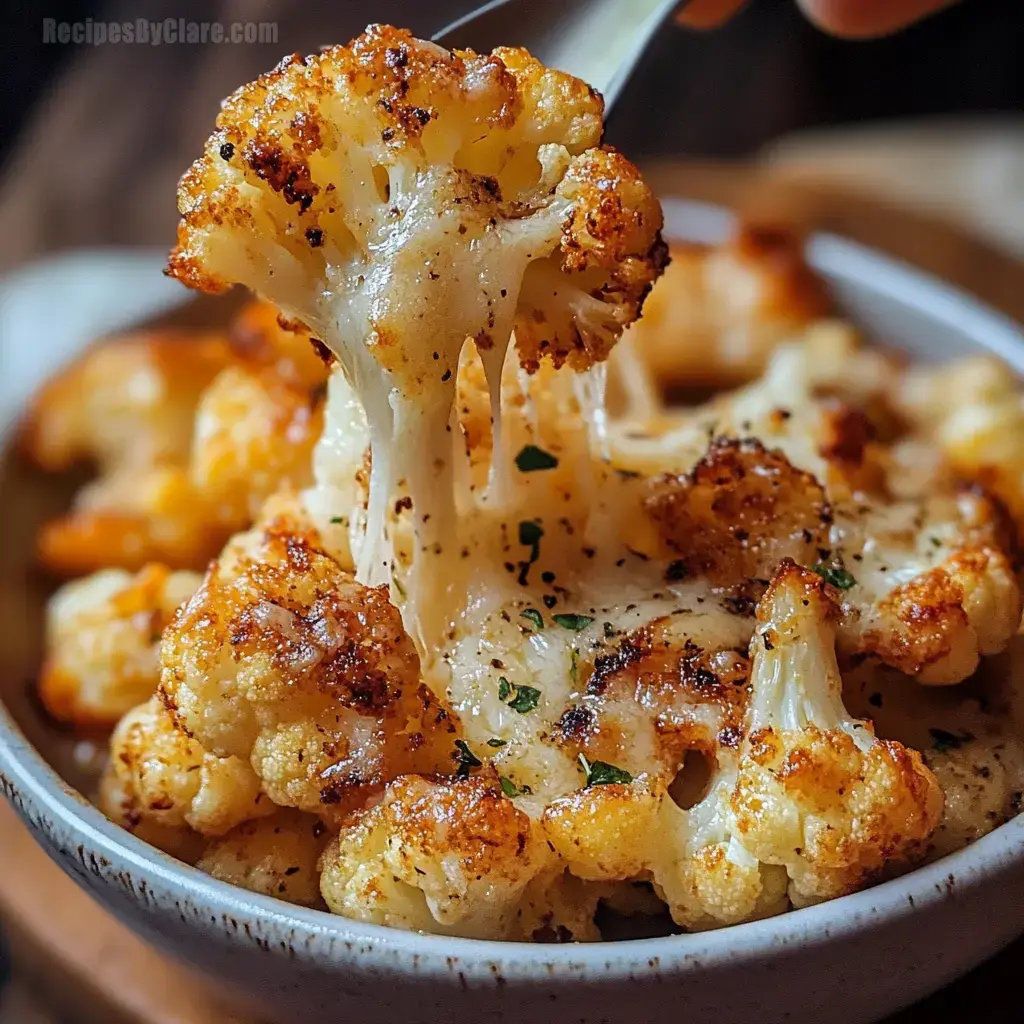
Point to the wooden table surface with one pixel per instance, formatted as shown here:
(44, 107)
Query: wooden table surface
(91, 969)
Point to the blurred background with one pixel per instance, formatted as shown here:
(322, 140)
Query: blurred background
(94, 138)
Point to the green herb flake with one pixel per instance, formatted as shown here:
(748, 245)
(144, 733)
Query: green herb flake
(532, 616)
(609, 631)
(337, 520)
(508, 787)
(530, 533)
(525, 700)
(495, 742)
(465, 758)
(839, 578)
(944, 741)
(600, 773)
(504, 688)
(936, 543)
(531, 458)
(572, 621)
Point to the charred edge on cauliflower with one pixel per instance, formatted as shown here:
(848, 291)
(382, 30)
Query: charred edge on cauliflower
(739, 511)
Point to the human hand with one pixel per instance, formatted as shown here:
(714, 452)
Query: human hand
(853, 19)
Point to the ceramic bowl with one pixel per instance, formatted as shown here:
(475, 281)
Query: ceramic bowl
(854, 959)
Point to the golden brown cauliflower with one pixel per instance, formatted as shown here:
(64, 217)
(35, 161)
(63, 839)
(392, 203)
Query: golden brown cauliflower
(976, 408)
(254, 435)
(816, 791)
(129, 401)
(131, 517)
(319, 163)
(276, 856)
(453, 856)
(721, 310)
(739, 512)
(399, 199)
(103, 642)
(928, 586)
(161, 782)
(282, 659)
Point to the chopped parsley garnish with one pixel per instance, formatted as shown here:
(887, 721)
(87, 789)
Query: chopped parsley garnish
(532, 616)
(839, 578)
(530, 533)
(495, 742)
(572, 621)
(511, 790)
(465, 758)
(936, 543)
(523, 698)
(944, 741)
(337, 520)
(531, 458)
(600, 773)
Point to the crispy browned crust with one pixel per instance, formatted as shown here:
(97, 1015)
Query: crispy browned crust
(612, 242)
(738, 512)
(674, 680)
(819, 773)
(320, 643)
(400, 82)
(925, 616)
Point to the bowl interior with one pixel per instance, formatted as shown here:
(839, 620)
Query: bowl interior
(899, 306)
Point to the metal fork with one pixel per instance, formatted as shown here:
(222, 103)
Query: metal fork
(600, 41)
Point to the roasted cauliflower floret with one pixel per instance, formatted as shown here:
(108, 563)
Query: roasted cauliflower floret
(976, 408)
(130, 518)
(399, 199)
(103, 642)
(282, 659)
(276, 856)
(739, 512)
(451, 856)
(323, 160)
(254, 435)
(816, 791)
(129, 401)
(703, 869)
(159, 780)
(721, 310)
(928, 587)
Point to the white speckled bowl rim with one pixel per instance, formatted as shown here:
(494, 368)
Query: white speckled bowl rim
(75, 828)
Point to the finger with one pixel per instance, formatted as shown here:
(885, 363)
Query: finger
(702, 14)
(860, 19)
